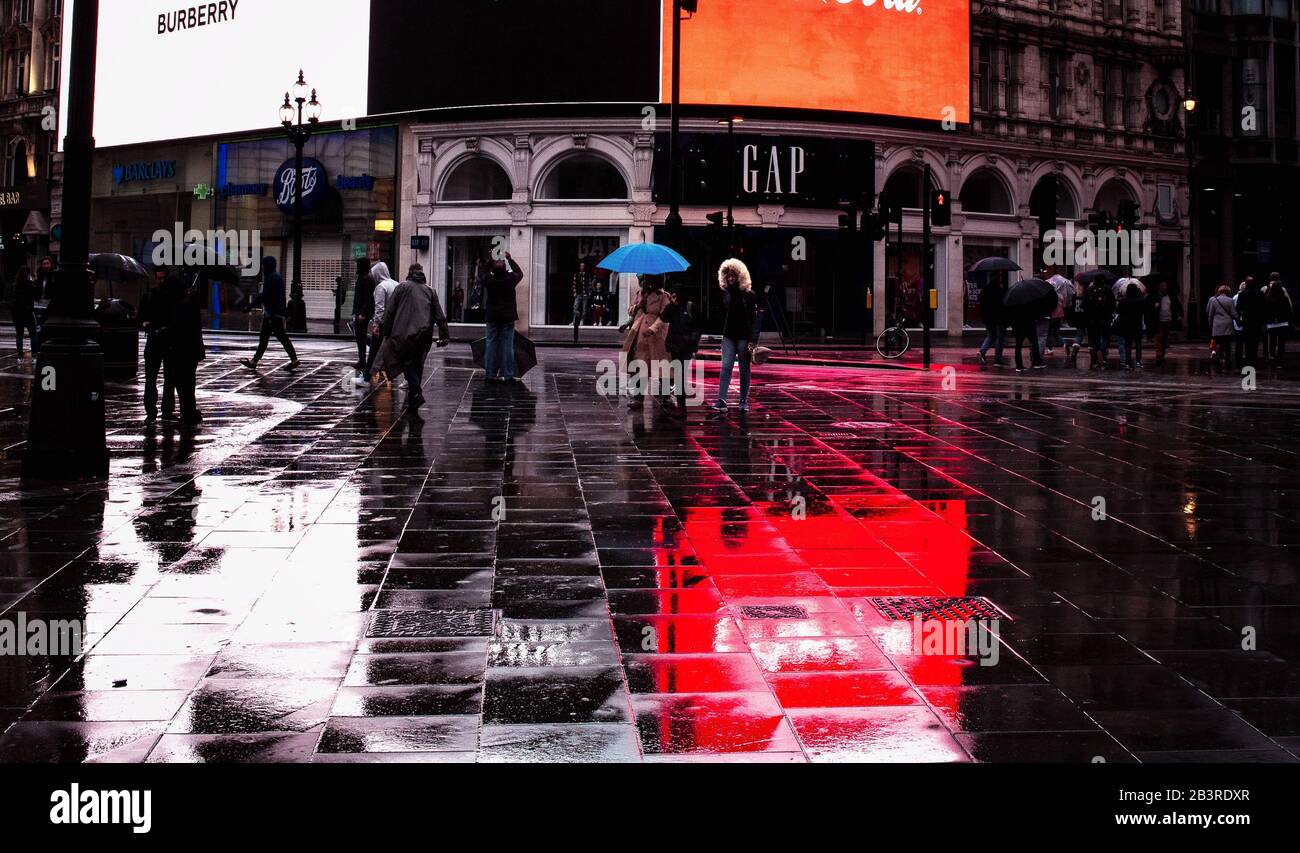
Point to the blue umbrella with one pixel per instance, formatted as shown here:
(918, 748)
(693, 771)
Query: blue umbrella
(645, 259)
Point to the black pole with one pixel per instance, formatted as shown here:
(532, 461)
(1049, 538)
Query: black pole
(674, 223)
(1192, 298)
(927, 271)
(66, 435)
(731, 184)
(298, 143)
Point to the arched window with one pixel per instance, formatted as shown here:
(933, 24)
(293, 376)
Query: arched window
(1040, 203)
(587, 177)
(984, 192)
(477, 179)
(904, 187)
(1111, 194)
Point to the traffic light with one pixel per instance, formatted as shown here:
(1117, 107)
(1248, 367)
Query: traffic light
(876, 226)
(1099, 221)
(849, 221)
(740, 240)
(892, 213)
(940, 209)
(1128, 214)
(690, 7)
(716, 230)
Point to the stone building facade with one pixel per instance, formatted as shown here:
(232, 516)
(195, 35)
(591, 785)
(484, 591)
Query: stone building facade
(1077, 109)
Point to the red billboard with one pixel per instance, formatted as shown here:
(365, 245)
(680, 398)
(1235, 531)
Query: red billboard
(907, 58)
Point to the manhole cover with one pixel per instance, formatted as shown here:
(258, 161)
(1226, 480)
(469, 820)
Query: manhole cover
(773, 612)
(953, 609)
(432, 623)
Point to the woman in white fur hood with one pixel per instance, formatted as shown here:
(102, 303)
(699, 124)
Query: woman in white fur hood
(740, 330)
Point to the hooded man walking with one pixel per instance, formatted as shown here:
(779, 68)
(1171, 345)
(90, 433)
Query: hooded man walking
(412, 312)
(385, 287)
(276, 312)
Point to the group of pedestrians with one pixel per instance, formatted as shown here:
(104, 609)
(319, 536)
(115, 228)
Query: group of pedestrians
(1105, 311)
(394, 324)
(1251, 317)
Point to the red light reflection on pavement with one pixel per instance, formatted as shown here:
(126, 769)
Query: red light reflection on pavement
(835, 653)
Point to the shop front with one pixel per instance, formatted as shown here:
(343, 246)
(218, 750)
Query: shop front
(349, 209)
(141, 190)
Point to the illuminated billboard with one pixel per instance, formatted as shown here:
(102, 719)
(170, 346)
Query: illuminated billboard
(905, 58)
(218, 67)
(199, 69)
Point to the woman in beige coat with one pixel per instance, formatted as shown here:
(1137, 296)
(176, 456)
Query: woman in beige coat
(646, 345)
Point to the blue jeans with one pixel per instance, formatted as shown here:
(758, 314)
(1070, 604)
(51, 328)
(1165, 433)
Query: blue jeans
(996, 339)
(500, 350)
(731, 351)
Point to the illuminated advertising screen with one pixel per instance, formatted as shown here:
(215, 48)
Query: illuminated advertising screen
(188, 69)
(905, 58)
(219, 67)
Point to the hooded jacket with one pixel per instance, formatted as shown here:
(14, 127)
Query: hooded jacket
(384, 287)
(272, 296)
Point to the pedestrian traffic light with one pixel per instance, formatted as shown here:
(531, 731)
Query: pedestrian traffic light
(940, 209)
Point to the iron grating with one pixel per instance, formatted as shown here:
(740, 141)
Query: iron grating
(773, 612)
(432, 623)
(968, 609)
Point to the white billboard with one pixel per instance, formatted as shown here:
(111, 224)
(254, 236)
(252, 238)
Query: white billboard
(174, 70)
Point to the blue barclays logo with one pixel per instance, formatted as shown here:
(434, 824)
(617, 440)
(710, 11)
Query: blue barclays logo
(156, 170)
(362, 183)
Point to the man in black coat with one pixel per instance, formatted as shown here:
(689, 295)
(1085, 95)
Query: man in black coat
(363, 310)
(184, 347)
(994, 314)
(1253, 311)
(155, 314)
(276, 312)
(499, 283)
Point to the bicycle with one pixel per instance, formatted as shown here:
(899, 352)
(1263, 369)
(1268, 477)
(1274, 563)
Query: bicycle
(894, 342)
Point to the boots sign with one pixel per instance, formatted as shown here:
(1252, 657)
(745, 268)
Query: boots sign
(753, 170)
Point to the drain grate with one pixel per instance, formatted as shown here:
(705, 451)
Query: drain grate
(432, 623)
(773, 612)
(928, 607)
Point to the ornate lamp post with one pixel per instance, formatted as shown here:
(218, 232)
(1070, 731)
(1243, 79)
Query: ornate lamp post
(299, 133)
(66, 435)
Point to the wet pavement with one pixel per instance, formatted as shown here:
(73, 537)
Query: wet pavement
(536, 574)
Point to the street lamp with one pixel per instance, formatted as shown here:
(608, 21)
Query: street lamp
(308, 116)
(66, 435)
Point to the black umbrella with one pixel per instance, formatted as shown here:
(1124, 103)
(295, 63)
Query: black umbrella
(525, 354)
(114, 268)
(1033, 297)
(996, 265)
(1086, 279)
(111, 267)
